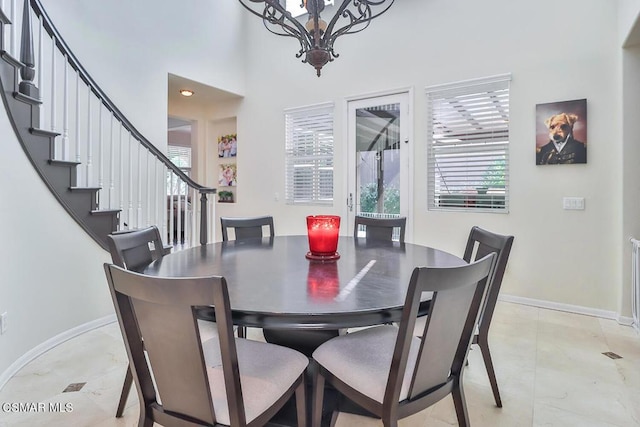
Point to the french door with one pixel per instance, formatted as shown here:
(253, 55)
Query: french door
(378, 146)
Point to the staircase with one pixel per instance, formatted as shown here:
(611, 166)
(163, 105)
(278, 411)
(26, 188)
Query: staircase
(99, 167)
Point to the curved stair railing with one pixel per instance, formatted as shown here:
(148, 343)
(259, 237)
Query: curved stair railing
(102, 170)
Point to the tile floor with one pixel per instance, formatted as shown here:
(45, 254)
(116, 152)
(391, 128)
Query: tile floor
(550, 369)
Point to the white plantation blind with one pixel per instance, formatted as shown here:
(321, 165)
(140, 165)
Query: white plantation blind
(309, 155)
(468, 145)
(180, 156)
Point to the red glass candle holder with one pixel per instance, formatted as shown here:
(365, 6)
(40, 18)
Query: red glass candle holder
(323, 237)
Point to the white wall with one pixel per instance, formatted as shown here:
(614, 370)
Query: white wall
(628, 13)
(570, 257)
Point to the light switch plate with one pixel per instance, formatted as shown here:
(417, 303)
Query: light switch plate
(3, 323)
(573, 203)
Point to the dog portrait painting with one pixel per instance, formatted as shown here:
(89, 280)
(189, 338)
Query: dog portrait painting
(561, 133)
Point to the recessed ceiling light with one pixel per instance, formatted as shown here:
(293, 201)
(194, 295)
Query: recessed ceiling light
(186, 92)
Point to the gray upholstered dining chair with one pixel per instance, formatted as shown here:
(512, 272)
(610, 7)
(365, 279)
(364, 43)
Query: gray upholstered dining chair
(380, 228)
(393, 374)
(134, 249)
(184, 381)
(246, 228)
(480, 243)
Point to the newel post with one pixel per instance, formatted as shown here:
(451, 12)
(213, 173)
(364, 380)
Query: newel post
(204, 218)
(27, 72)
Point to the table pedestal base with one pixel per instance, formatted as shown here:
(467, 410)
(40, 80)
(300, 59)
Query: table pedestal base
(332, 403)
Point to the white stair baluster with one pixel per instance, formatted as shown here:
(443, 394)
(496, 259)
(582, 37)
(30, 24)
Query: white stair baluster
(65, 112)
(89, 178)
(53, 84)
(121, 175)
(112, 165)
(77, 129)
(194, 223)
(156, 201)
(14, 29)
(139, 213)
(171, 205)
(130, 206)
(41, 68)
(149, 178)
(179, 209)
(100, 149)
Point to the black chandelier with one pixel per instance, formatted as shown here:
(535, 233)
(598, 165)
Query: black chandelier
(316, 36)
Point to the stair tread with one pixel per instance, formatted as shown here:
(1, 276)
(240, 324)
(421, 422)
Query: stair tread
(43, 132)
(26, 98)
(85, 188)
(55, 162)
(104, 211)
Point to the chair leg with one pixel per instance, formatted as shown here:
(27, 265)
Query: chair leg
(143, 420)
(242, 331)
(301, 403)
(488, 363)
(334, 418)
(460, 404)
(317, 398)
(126, 388)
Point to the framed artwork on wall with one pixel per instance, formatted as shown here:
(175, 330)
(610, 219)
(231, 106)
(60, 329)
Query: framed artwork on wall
(561, 132)
(227, 176)
(228, 145)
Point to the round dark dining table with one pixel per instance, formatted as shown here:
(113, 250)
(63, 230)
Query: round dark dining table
(271, 283)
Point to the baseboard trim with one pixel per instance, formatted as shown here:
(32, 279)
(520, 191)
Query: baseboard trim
(576, 309)
(51, 343)
(624, 320)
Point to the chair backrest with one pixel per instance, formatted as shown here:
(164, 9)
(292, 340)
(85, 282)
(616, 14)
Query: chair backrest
(457, 297)
(479, 244)
(380, 228)
(161, 313)
(246, 228)
(135, 249)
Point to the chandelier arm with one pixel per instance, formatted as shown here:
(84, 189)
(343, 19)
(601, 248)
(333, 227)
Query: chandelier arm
(362, 21)
(316, 43)
(276, 15)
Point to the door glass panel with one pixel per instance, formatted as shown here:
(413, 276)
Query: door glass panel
(378, 162)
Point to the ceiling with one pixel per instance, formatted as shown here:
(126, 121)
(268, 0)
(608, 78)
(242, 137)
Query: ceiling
(178, 124)
(202, 92)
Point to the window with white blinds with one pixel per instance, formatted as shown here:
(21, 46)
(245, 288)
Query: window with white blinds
(309, 155)
(181, 157)
(468, 145)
